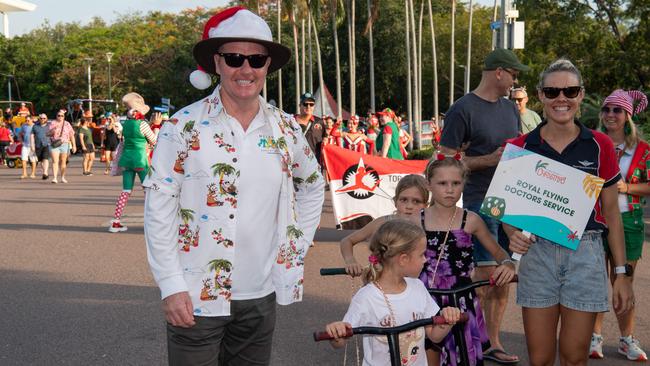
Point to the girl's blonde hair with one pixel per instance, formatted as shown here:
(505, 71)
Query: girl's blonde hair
(410, 181)
(394, 237)
(632, 135)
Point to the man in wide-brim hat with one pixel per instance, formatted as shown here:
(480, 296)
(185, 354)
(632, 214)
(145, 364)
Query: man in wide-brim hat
(233, 202)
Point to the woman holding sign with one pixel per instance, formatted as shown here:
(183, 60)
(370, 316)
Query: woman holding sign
(556, 282)
(634, 161)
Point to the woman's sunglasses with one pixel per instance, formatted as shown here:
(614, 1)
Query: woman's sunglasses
(616, 110)
(236, 60)
(569, 92)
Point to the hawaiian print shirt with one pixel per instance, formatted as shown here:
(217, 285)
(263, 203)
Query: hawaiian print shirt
(191, 208)
(639, 172)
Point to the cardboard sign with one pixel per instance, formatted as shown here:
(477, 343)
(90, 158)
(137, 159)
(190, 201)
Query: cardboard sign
(542, 196)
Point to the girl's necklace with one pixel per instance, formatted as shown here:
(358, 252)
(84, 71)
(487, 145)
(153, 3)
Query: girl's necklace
(390, 307)
(443, 246)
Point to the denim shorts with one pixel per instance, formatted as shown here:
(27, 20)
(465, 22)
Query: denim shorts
(63, 149)
(550, 274)
(481, 256)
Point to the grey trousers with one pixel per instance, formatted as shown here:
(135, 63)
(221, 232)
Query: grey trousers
(242, 338)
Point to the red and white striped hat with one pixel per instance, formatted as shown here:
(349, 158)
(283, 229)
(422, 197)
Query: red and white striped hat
(236, 24)
(626, 99)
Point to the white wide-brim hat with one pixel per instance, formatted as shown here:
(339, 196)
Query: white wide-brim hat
(236, 24)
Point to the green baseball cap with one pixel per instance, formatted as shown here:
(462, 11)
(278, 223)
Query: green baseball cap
(503, 58)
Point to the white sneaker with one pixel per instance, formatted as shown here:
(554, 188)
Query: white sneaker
(116, 227)
(596, 347)
(630, 348)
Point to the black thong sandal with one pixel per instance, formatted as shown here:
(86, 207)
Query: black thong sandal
(496, 355)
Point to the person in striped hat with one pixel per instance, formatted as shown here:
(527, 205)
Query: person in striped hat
(634, 161)
(233, 201)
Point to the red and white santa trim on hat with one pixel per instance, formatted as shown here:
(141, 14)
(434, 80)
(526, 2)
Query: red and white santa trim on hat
(236, 24)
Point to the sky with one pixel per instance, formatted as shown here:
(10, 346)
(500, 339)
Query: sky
(83, 11)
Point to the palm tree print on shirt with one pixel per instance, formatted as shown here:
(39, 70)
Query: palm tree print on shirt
(222, 283)
(187, 237)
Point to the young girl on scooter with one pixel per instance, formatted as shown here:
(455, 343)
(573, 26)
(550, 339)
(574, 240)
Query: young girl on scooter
(393, 296)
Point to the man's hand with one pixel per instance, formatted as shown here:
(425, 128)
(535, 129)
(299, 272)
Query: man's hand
(178, 310)
(622, 295)
(495, 156)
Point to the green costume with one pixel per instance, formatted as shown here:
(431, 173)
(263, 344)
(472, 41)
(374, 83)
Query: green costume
(134, 153)
(394, 151)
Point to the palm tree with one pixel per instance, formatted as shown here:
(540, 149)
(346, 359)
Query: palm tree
(222, 169)
(186, 215)
(451, 53)
(409, 95)
(333, 7)
(469, 47)
(350, 15)
(293, 232)
(219, 265)
(279, 4)
(314, 6)
(188, 126)
(296, 55)
(435, 63)
(372, 16)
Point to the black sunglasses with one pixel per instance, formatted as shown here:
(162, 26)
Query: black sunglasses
(514, 74)
(236, 60)
(616, 110)
(308, 104)
(569, 92)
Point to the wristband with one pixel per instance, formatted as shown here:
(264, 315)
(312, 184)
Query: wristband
(507, 260)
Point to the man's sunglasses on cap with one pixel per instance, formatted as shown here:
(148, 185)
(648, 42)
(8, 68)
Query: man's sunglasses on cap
(569, 92)
(236, 60)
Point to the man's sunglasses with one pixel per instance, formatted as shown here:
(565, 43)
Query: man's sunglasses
(308, 104)
(616, 110)
(236, 60)
(518, 100)
(569, 92)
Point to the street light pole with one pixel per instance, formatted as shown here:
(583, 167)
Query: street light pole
(109, 56)
(90, 88)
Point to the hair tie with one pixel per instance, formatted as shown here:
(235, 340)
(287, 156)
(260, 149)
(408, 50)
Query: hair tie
(373, 259)
(456, 156)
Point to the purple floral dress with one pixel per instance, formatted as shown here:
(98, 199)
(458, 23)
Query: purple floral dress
(454, 270)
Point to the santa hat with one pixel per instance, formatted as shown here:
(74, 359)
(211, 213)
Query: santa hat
(626, 99)
(236, 24)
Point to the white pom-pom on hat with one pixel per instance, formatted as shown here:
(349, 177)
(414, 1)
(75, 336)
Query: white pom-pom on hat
(200, 79)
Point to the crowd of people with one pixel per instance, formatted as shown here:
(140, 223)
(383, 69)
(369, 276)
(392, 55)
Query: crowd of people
(219, 280)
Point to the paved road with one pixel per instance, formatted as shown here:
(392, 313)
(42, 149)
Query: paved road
(73, 294)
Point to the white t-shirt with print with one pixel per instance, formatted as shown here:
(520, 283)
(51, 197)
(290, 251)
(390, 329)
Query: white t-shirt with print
(368, 308)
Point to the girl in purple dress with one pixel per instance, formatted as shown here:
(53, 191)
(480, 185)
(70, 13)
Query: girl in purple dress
(449, 231)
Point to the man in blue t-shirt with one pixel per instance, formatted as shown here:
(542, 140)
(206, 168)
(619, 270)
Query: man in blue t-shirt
(41, 143)
(26, 153)
(480, 122)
